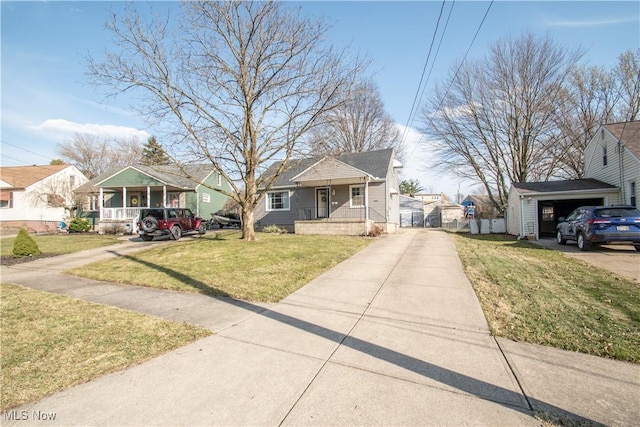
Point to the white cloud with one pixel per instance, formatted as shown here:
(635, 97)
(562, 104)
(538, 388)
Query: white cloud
(68, 128)
(590, 23)
(416, 166)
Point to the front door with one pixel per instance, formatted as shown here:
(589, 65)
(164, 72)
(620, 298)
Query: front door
(322, 203)
(134, 200)
(546, 214)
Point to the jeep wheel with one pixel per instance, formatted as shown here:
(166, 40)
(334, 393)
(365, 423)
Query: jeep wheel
(202, 229)
(561, 240)
(176, 232)
(146, 237)
(583, 243)
(149, 224)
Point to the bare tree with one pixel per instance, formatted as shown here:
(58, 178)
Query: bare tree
(58, 192)
(237, 86)
(627, 76)
(94, 154)
(360, 124)
(587, 101)
(492, 119)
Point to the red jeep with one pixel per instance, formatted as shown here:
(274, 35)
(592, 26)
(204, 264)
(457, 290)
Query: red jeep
(169, 221)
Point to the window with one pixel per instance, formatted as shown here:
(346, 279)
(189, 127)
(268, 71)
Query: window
(174, 200)
(357, 196)
(604, 155)
(632, 194)
(278, 201)
(72, 181)
(219, 179)
(6, 199)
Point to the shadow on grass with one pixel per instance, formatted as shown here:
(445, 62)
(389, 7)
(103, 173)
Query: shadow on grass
(464, 383)
(505, 239)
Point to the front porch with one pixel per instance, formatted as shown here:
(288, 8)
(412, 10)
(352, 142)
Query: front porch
(337, 220)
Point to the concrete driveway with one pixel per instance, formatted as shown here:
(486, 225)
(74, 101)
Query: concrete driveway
(620, 259)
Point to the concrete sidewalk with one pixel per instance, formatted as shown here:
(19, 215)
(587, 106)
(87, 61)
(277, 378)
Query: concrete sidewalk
(392, 336)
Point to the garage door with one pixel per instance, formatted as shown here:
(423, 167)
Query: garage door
(550, 210)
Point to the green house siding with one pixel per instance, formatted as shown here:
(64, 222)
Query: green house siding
(211, 201)
(130, 177)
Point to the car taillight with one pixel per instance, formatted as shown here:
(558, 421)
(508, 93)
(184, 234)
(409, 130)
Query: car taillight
(598, 221)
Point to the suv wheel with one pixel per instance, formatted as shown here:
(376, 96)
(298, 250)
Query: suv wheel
(176, 232)
(583, 244)
(149, 224)
(146, 237)
(559, 239)
(202, 229)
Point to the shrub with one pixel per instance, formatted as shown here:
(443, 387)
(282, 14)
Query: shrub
(114, 228)
(24, 245)
(79, 225)
(271, 229)
(376, 230)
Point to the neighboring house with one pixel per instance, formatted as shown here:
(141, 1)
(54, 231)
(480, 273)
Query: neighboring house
(411, 212)
(344, 195)
(479, 207)
(37, 197)
(611, 176)
(444, 213)
(119, 196)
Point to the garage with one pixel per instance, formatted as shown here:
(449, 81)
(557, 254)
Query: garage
(550, 210)
(534, 207)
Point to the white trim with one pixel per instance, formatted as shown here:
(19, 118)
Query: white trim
(363, 195)
(268, 199)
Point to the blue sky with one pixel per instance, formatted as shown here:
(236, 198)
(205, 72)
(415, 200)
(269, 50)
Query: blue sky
(46, 98)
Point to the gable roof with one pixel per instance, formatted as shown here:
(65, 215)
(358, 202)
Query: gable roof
(329, 168)
(628, 133)
(167, 174)
(23, 176)
(562, 186)
(374, 163)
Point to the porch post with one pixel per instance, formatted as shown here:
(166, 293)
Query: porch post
(148, 196)
(101, 201)
(366, 206)
(124, 197)
(164, 196)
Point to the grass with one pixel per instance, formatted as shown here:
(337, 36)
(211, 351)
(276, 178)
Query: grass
(62, 243)
(540, 296)
(223, 265)
(52, 342)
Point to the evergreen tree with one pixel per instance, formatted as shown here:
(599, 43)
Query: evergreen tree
(153, 154)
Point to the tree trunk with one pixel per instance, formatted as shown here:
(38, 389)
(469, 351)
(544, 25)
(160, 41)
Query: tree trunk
(248, 233)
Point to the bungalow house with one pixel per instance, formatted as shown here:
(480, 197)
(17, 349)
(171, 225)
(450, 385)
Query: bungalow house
(37, 198)
(119, 196)
(343, 195)
(611, 176)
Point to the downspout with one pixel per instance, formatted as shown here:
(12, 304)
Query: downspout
(621, 167)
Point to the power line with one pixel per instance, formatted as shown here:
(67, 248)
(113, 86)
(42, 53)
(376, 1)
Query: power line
(24, 149)
(424, 70)
(465, 56)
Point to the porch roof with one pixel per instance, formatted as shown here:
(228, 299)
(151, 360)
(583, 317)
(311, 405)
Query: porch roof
(372, 164)
(330, 171)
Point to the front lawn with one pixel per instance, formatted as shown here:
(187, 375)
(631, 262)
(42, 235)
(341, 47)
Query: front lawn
(223, 265)
(61, 243)
(537, 295)
(52, 342)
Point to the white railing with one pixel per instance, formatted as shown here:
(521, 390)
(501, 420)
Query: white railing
(119, 213)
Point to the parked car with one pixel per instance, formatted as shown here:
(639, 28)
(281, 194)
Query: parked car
(169, 221)
(589, 225)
